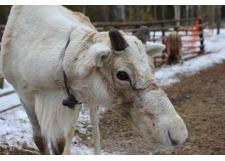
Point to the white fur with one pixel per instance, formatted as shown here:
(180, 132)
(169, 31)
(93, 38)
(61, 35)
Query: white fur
(32, 50)
(93, 57)
(54, 118)
(154, 48)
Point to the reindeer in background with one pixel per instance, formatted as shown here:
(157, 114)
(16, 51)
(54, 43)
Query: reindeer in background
(173, 47)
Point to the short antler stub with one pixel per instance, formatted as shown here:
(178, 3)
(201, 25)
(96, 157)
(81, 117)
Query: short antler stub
(117, 41)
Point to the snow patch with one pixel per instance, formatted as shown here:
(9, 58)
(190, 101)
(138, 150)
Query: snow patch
(6, 87)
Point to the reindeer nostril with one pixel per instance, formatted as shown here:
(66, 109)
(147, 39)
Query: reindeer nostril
(173, 142)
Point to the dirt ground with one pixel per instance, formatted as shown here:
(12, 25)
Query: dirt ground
(199, 99)
(15, 151)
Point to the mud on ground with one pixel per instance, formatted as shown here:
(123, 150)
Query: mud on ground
(25, 150)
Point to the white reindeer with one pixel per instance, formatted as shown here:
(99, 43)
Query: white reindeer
(49, 53)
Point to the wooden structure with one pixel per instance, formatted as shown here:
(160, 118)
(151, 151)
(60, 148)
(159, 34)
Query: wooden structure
(1, 31)
(191, 31)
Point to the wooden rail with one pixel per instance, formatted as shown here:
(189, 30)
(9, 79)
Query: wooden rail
(186, 25)
(10, 108)
(141, 23)
(153, 25)
(7, 93)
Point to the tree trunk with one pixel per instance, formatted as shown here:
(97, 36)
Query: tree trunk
(119, 13)
(163, 12)
(187, 13)
(105, 13)
(177, 14)
(141, 13)
(84, 9)
(212, 15)
(130, 13)
(199, 11)
(218, 18)
(155, 13)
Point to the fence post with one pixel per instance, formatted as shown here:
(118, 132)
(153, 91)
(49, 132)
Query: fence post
(154, 40)
(1, 32)
(201, 36)
(163, 30)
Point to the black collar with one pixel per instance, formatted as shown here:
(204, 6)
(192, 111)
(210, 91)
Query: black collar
(71, 100)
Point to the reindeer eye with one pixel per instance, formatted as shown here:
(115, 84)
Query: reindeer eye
(121, 75)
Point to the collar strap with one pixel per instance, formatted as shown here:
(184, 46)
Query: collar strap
(71, 100)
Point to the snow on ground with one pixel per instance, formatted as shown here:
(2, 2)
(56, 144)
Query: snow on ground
(6, 88)
(15, 129)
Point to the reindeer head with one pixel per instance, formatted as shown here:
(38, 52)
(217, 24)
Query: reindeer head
(116, 70)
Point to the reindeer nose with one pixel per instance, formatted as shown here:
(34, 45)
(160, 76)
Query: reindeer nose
(173, 142)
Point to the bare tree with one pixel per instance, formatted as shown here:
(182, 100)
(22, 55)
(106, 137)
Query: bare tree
(130, 13)
(218, 18)
(177, 14)
(191, 11)
(84, 9)
(187, 13)
(163, 12)
(141, 12)
(211, 15)
(105, 13)
(199, 10)
(155, 12)
(119, 13)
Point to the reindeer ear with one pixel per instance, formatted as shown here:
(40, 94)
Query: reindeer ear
(100, 54)
(143, 34)
(154, 48)
(118, 42)
(95, 56)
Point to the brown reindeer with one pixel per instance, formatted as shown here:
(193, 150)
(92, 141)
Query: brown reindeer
(173, 48)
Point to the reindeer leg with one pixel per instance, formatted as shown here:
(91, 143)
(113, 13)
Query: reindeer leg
(58, 145)
(70, 133)
(95, 129)
(69, 137)
(40, 141)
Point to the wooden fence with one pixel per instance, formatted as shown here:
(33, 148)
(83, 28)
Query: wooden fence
(5, 94)
(154, 25)
(191, 31)
(1, 31)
